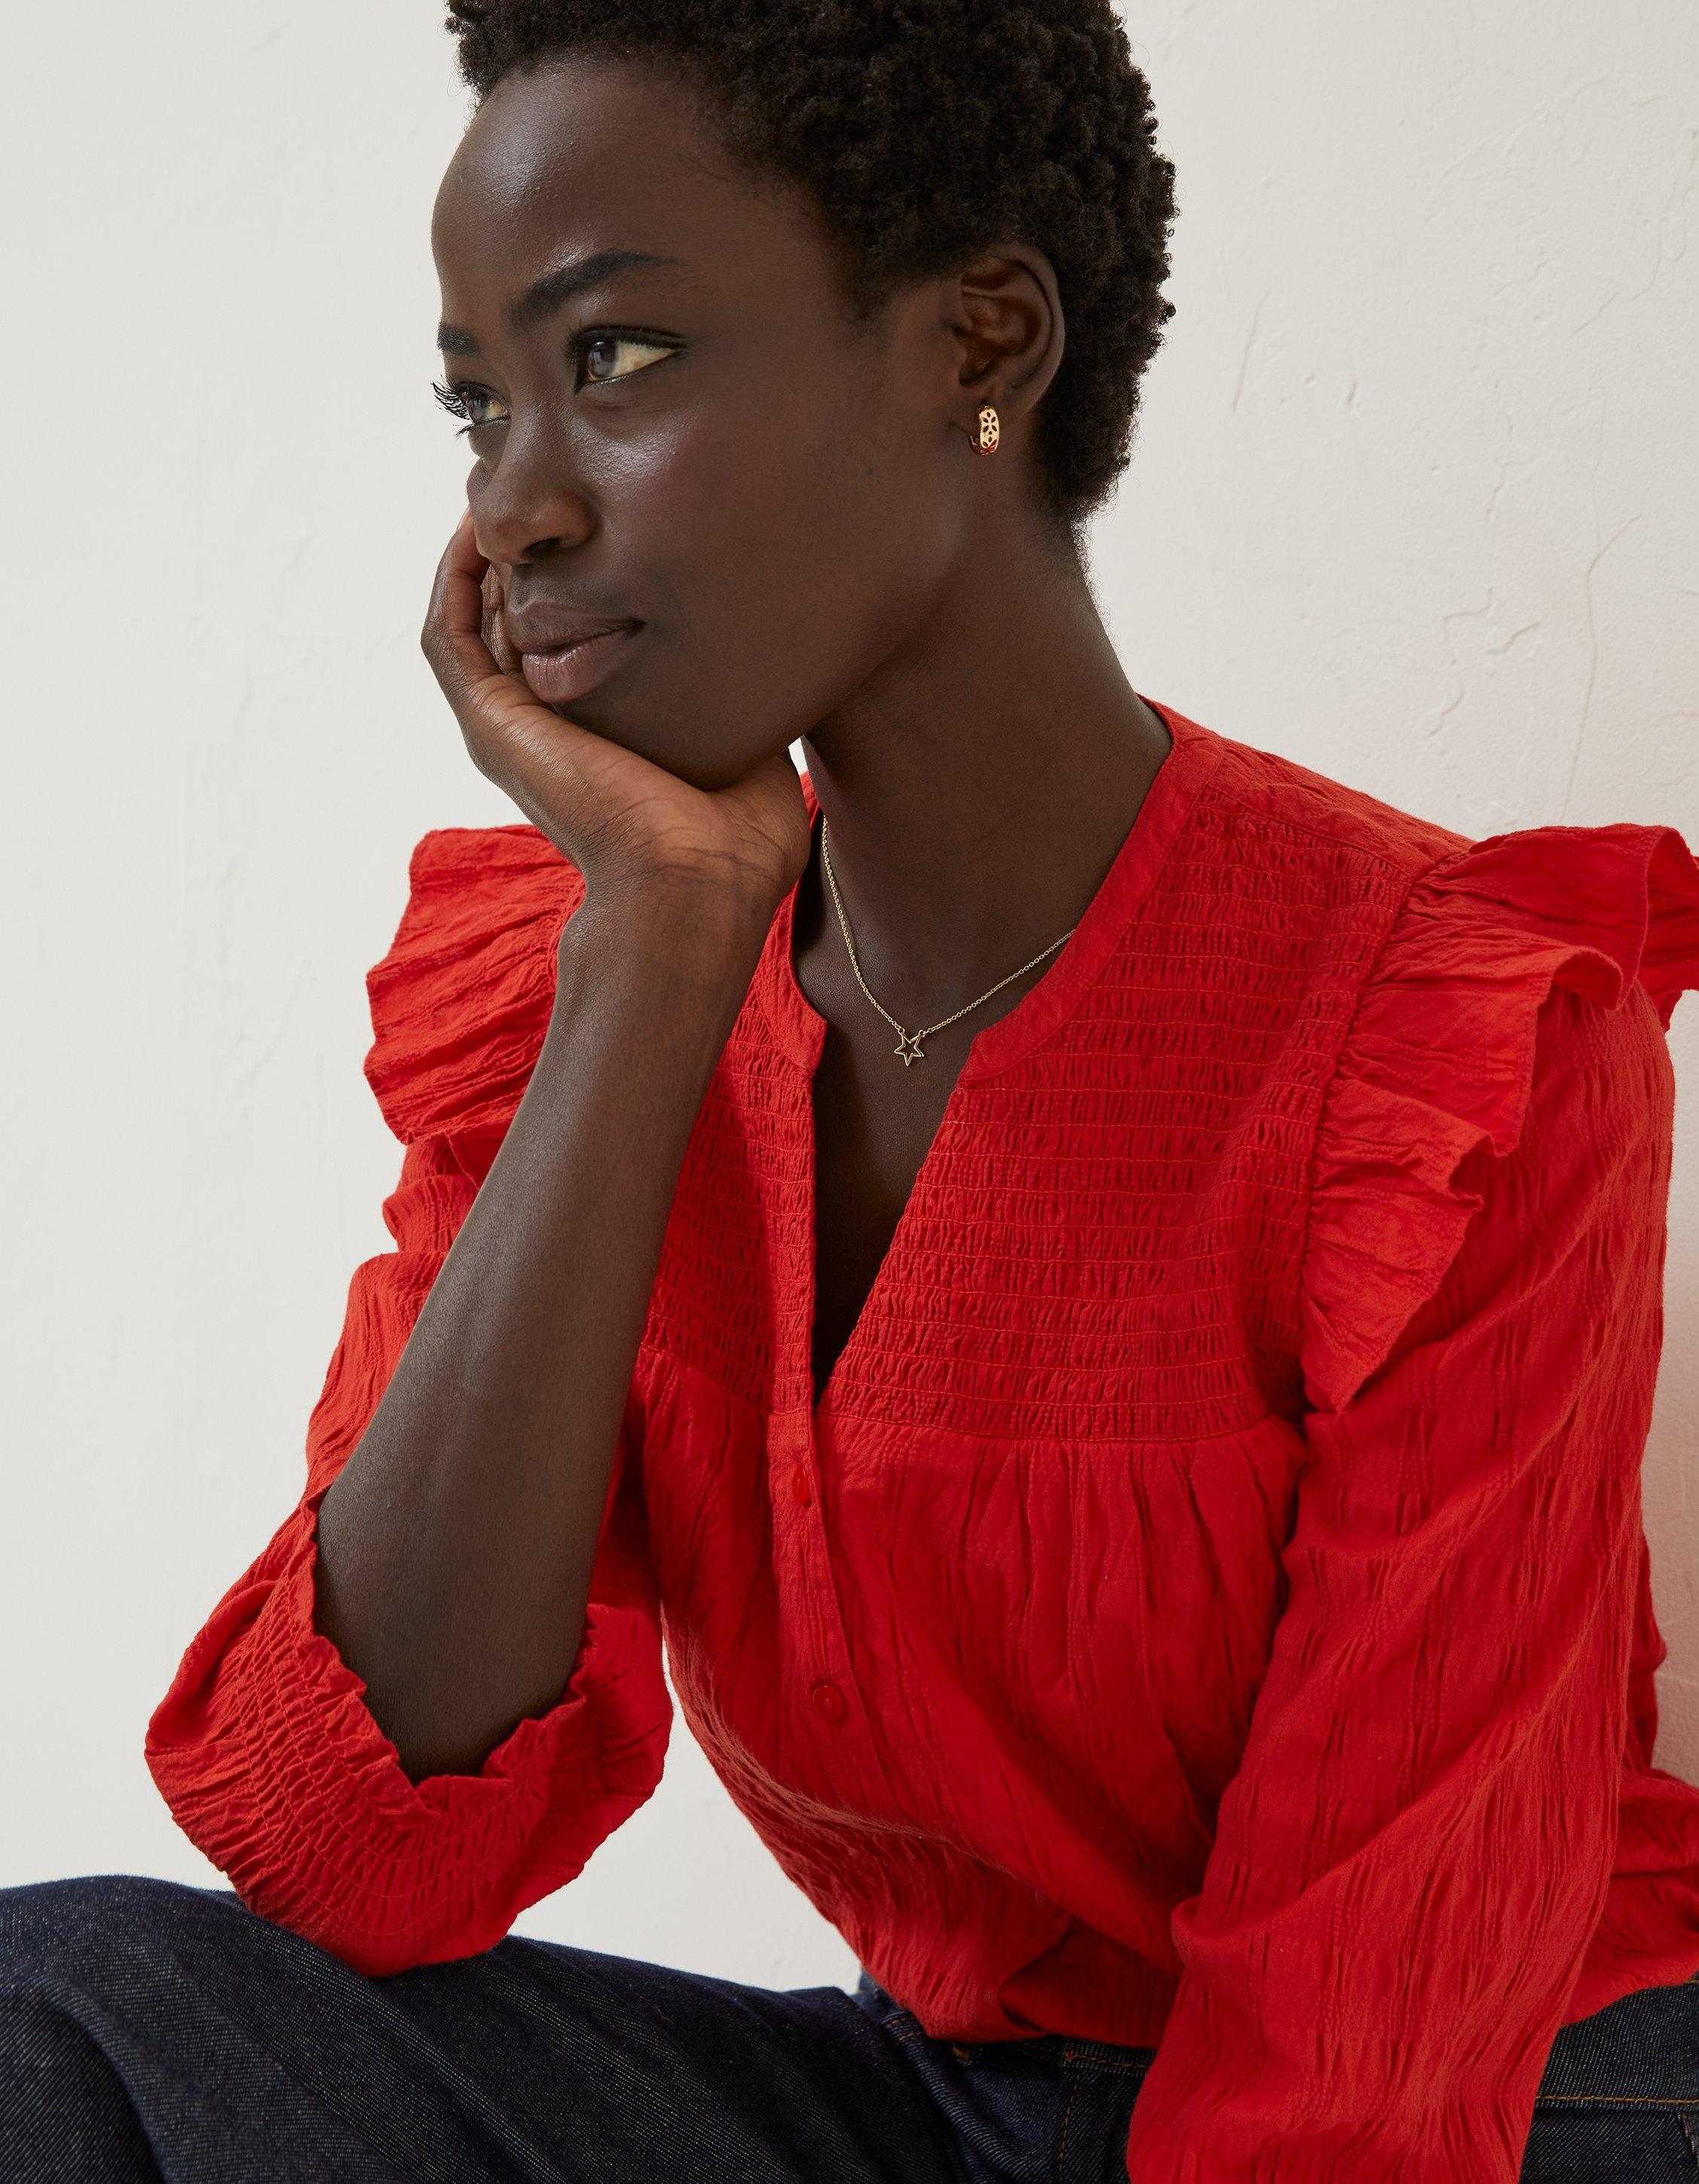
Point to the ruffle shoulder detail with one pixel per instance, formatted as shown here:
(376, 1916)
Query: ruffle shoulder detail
(1439, 1058)
(460, 1002)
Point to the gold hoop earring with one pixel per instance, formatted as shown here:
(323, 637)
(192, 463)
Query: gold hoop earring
(990, 432)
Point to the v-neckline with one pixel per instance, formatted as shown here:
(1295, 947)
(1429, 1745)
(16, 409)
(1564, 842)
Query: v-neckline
(799, 1029)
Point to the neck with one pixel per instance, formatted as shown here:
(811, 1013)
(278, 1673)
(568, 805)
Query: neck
(977, 787)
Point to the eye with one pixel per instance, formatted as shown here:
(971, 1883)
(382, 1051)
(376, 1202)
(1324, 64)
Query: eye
(600, 348)
(466, 399)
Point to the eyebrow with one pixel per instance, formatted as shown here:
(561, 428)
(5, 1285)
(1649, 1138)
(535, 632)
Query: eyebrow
(547, 293)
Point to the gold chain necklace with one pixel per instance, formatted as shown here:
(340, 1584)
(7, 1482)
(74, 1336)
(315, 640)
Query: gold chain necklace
(908, 1044)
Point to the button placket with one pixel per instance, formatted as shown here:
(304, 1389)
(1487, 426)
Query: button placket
(811, 1656)
(835, 1696)
(825, 1687)
(829, 1702)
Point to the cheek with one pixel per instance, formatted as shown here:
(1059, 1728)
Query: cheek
(801, 545)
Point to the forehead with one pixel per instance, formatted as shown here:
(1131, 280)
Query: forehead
(595, 152)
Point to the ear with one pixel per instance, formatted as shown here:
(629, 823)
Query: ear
(1004, 313)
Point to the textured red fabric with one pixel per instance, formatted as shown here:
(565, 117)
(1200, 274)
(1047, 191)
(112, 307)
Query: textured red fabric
(1208, 1607)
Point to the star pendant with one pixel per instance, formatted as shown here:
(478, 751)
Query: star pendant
(909, 1046)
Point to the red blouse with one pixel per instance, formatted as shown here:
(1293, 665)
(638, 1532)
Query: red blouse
(1209, 1605)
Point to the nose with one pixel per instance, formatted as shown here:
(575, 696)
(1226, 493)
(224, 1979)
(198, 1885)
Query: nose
(529, 506)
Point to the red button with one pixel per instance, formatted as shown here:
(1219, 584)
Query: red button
(830, 1701)
(800, 1492)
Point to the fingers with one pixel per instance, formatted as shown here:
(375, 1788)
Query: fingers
(457, 589)
(490, 606)
(452, 636)
(513, 738)
(496, 639)
(462, 575)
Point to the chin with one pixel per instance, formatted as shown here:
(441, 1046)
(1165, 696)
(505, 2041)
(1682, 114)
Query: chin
(676, 744)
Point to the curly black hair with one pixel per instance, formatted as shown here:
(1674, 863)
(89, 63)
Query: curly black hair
(927, 131)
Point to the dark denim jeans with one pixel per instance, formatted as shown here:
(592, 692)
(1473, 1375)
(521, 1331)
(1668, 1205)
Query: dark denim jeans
(152, 2031)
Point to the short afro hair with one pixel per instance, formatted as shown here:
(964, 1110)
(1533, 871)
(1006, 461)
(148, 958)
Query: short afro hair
(927, 131)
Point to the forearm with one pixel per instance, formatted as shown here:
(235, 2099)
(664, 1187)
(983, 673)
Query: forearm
(455, 1545)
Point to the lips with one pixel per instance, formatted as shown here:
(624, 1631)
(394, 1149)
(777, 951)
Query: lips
(564, 671)
(542, 627)
(563, 652)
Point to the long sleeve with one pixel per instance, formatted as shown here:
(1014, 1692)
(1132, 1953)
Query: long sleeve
(264, 1746)
(1415, 1850)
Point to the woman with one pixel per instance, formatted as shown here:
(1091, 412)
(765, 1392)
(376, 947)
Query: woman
(1101, 1289)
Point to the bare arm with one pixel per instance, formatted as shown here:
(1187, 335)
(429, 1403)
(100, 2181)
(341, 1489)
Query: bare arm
(456, 1543)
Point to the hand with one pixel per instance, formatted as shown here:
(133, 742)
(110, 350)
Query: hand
(625, 822)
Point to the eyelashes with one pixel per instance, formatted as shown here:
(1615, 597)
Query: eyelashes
(458, 399)
(464, 397)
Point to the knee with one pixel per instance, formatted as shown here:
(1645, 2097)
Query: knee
(76, 1958)
(50, 1930)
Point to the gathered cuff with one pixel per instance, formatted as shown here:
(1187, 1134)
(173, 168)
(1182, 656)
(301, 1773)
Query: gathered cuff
(276, 1768)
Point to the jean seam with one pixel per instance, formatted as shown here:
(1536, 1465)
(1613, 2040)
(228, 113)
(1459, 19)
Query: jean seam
(1690, 2124)
(1616, 2101)
(1083, 2065)
(1060, 2171)
(903, 2027)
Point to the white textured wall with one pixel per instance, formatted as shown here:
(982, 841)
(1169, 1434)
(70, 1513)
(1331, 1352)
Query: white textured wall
(1416, 503)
